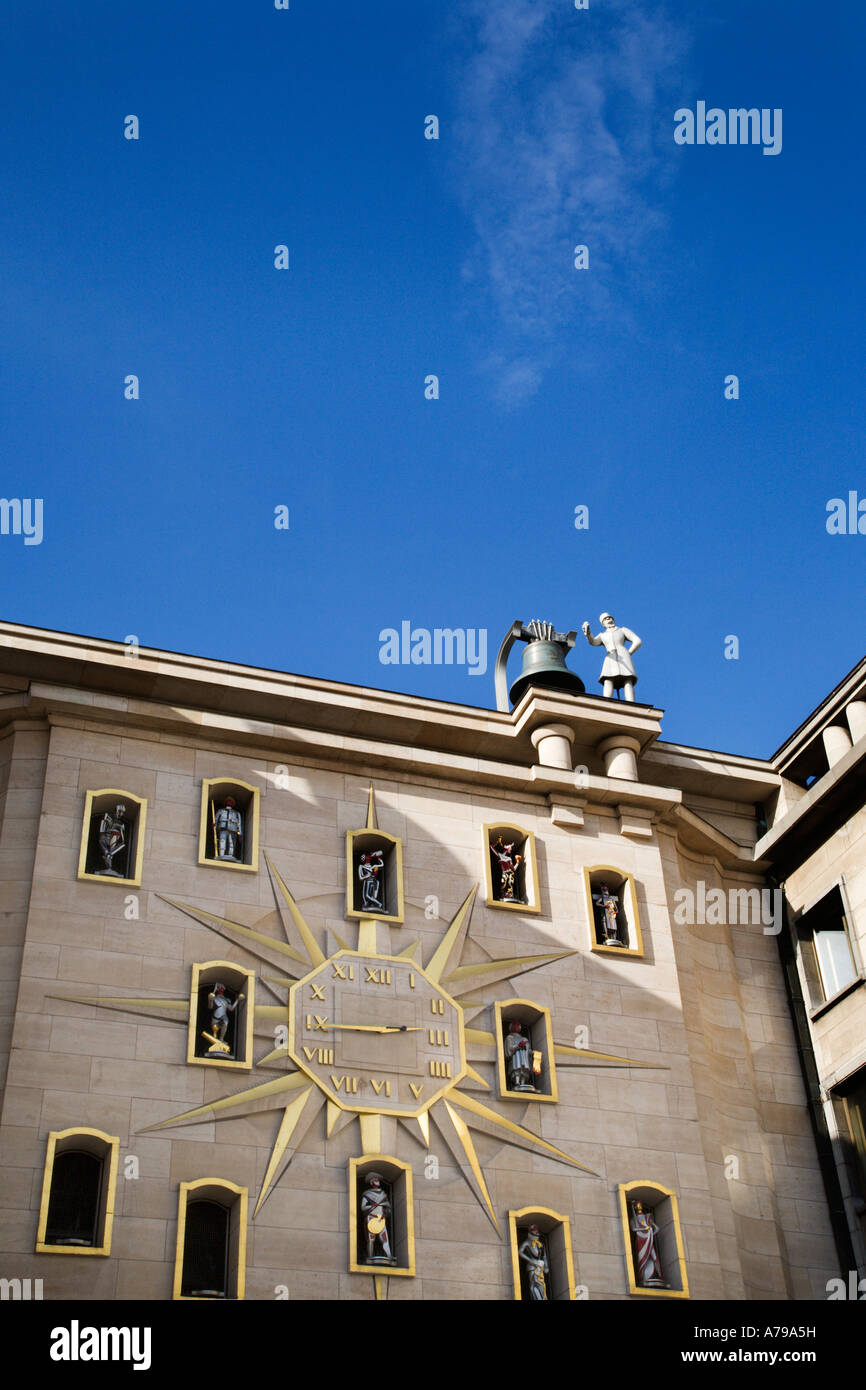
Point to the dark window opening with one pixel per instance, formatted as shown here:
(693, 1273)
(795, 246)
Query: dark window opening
(206, 1251)
(73, 1207)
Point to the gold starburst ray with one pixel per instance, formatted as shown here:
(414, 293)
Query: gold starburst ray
(255, 941)
(451, 944)
(163, 1010)
(276, 1054)
(523, 1137)
(266, 1090)
(293, 919)
(574, 1056)
(297, 1118)
(488, 972)
(409, 950)
(337, 1119)
(455, 1132)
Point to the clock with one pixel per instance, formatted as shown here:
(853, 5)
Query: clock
(376, 1034)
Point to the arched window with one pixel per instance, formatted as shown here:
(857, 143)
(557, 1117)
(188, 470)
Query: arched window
(541, 1263)
(112, 837)
(229, 827)
(77, 1209)
(210, 1258)
(611, 904)
(221, 1015)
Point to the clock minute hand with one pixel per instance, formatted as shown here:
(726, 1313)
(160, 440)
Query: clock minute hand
(372, 1028)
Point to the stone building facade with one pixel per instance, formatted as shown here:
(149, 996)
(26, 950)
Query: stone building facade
(667, 1051)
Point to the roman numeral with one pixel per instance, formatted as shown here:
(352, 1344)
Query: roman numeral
(416, 1090)
(440, 1069)
(437, 1006)
(349, 1083)
(438, 1037)
(411, 979)
(318, 992)
(317, 1023)
(325, 1055)
(340, 971)
(377, 1086)
(376, 976)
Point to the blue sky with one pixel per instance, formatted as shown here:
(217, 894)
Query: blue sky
(409, 257)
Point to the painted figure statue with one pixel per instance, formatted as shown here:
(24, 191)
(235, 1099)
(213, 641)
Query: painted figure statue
(228, 826)
(534, 1256)
(375, 1216)
(220, 1007)
(371, 876)
(520, 1060)
(509, 863)
(648, 1266)
(618, 671)
(112, 839)
(608, 903)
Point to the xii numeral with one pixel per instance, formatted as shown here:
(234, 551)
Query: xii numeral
(377, 976)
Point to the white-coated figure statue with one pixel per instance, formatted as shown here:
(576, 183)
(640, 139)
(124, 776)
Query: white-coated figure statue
(618, 671)
(518, 1058)
(534, 1256)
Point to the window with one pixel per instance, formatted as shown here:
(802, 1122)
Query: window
(210, 1260)
(77, 1210)
(524, 1051)
(827, 952)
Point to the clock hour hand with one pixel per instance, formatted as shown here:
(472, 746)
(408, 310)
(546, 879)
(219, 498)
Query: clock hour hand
(372, 1028)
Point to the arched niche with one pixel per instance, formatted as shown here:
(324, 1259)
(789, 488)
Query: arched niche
(210, 1253)
(511, 869)
(373, 1249)
(537, 1030)
(204, 1047)
(612, 911)
(112, 837)
(653, 1240)
(76, 1214)
(219, 821)
(554, 1237)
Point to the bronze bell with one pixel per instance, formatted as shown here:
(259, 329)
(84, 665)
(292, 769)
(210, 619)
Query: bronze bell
(544, 665)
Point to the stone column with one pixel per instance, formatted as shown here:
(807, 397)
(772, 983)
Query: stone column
(836, 742)
(856, 716)
(620, 756)
(553, 743)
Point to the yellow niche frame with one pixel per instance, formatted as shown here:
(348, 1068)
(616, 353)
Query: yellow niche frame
(549, 1222)
(394, 1169)
(630, 889)
(253, 810)
(106, 1147)
(228, 968)
(238, 1209)
(645, 1190)
(541, 1013)
(530, 875)
(140, 822)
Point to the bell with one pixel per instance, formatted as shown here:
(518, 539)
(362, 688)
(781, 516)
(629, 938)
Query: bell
(544, 665)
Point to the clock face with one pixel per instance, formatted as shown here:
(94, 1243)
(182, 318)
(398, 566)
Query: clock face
(375, 1034)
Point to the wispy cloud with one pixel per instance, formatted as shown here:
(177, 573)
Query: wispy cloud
(562, 121)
